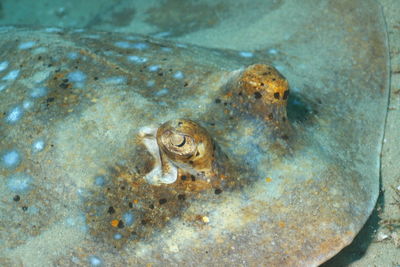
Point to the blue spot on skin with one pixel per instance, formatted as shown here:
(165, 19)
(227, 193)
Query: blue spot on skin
(99, 181)
(11, 159)
(272, 51)
(137, 59)
(162, 92)
(38, 92)
(178, 75)
(246, 54)
(38, 146)
(128, 218)
(166, 49)
(2, 87)
(117, 236)
(140, 46)
(116, 80)
(153, 68)
(53, 29)
(150, 83)
(33, 210)
(3, 65)
(70, 221)
(95, 261)
(19, 182)
(128, 45)
(12, 75)
(279, 68)
(27, 104)
(27, 45)
(162, 34)
(14, 115)
(92, 36)
(78, 221)
(131, 38)
(78, 30)
(77, 76)
(72, 55)
(122, 44)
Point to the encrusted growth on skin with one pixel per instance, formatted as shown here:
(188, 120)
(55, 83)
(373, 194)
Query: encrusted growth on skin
(149, 202)
(261, 91)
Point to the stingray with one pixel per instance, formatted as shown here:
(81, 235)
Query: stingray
(91, 121)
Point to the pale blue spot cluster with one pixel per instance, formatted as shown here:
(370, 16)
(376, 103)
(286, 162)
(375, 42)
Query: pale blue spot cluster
(92, 36)
(26, 45)
(53, 29)
(14, 114)
(12, 75)
(116, 80)
(73, 55)
(11, 159)
(38, 92)
(154, 68)
(178, 75)
(75, 260)
(95, 261)
(137, 59)
(162, 92)
(246, 54)
(3, 65)
(128, 218)
(166, 49)
(77, 221)
(6, 28)
(181, 45)
(99, 180)
(131, 38)
(19, 182)
(272, 51)
(78, 30)
(140, 46)
(27, 104)
(117, 236)
(72, 221)
(33, 210)
(77, 76)
(38, 146)
(39, 50)
(122, 44)
(150, 83)
(2, 87)
(128, 45)
(162, 34)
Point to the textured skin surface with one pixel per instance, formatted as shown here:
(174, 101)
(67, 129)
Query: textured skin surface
(296, 206)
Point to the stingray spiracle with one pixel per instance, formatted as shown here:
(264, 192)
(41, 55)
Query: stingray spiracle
(261, 90)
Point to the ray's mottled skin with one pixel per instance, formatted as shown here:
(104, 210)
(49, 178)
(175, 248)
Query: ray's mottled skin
(72, 106)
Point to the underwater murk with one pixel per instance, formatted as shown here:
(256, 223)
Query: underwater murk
(121, 149)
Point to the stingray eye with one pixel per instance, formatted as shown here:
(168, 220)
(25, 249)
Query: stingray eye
(178, 140)
(178, 143)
